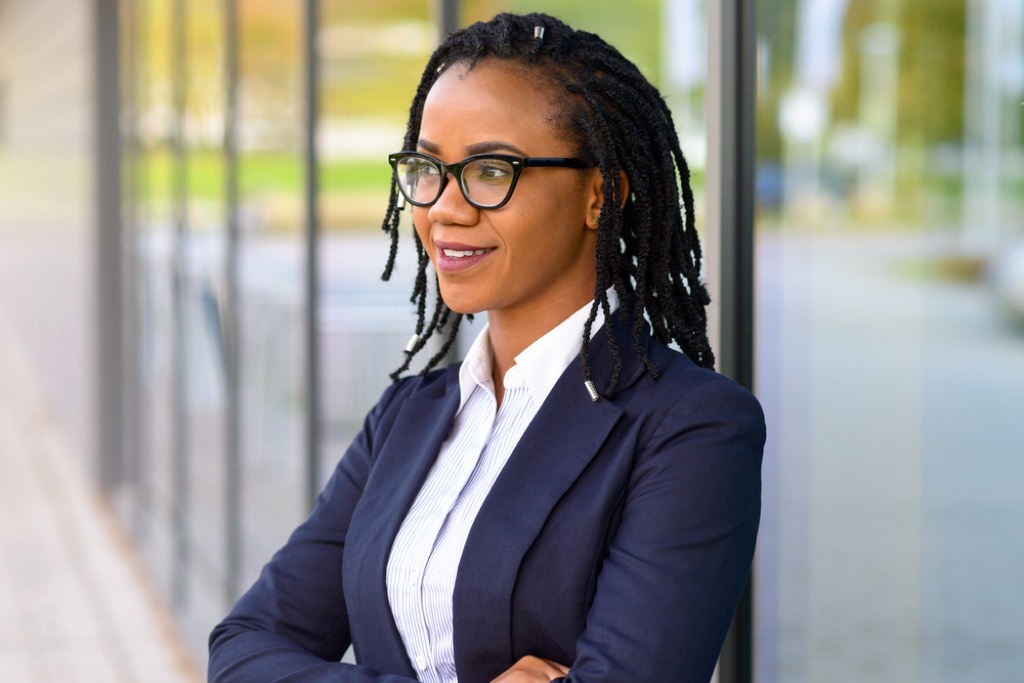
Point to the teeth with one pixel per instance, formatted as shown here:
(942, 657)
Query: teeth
(455, 253)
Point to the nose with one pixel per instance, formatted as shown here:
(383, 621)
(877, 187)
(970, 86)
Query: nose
(451, 207)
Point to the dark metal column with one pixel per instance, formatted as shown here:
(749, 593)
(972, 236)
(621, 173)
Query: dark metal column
(312, 282)
(730, 104)
(736, 175)
(108, 457)
(447, 17)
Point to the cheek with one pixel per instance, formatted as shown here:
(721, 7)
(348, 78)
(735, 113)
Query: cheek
(421, 224)
(559, 218)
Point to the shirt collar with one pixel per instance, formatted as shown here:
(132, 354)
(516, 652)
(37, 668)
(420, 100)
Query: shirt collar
(540, 364)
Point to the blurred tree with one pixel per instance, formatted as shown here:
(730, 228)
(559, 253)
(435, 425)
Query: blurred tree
(633, 27)
(372, 55)
(931, 62)
(931, 66)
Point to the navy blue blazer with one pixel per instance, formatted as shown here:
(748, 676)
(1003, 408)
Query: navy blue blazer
(616, 540)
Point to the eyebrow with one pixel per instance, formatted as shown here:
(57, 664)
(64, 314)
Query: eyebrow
(485, 147)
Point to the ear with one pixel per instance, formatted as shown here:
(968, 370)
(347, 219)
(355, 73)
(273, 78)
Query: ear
(623, 189)
(595, 196)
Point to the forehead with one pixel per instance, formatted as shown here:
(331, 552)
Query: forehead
(488, 101)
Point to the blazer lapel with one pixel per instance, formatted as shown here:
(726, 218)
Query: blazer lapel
(563, 438)
(412, 445)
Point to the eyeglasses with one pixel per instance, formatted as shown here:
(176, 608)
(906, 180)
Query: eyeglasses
(486, 180)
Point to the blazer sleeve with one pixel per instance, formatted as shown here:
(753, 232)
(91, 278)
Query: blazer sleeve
(677, 563)
(292, 624)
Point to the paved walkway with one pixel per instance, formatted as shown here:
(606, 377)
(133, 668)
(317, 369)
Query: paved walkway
(75, 606)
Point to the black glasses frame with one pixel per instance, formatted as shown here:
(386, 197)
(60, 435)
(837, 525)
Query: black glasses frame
(455, 170)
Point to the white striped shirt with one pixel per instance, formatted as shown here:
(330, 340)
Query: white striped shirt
(425, 556)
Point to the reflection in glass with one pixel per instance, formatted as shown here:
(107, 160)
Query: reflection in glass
(891, 537)
(270, 276)
(202, 287)
(153, 244)
(371, 57)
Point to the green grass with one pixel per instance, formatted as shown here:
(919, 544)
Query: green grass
(261, 173)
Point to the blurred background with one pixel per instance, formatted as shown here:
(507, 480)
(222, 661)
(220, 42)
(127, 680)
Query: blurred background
(191, 195)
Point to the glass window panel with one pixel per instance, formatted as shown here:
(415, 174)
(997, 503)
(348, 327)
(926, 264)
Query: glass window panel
(890, 349)
(371, 58)
(271, 265)
(153, 236)
(203, 288)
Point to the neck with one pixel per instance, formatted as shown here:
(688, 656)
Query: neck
(511, 332)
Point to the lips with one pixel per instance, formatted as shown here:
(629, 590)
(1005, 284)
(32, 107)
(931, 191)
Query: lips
(453, 257)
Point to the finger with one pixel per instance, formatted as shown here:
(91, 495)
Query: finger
(561, 667)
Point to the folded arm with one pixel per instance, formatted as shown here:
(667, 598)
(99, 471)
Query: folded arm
(292, 625)
(681, 555)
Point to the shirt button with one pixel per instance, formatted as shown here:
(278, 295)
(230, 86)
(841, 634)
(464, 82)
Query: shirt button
(421, 663)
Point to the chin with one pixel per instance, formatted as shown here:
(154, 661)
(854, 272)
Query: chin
(462, 297)
(462, 308)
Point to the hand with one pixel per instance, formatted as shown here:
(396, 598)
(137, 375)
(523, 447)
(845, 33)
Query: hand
(531, 669)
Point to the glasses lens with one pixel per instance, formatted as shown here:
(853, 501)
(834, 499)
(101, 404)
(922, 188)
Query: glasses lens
(419, 179)
(487, 182)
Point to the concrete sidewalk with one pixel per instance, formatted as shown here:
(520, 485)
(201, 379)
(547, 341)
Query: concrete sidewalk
(74, 604)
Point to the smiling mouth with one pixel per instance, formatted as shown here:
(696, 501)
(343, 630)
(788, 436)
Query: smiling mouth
(463, 253)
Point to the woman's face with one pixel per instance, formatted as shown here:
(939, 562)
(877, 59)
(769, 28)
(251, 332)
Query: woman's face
(535, 256)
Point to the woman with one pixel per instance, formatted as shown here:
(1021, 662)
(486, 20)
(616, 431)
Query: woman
(576, 500)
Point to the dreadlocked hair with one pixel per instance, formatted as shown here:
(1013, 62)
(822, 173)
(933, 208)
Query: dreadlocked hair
(647, 245)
